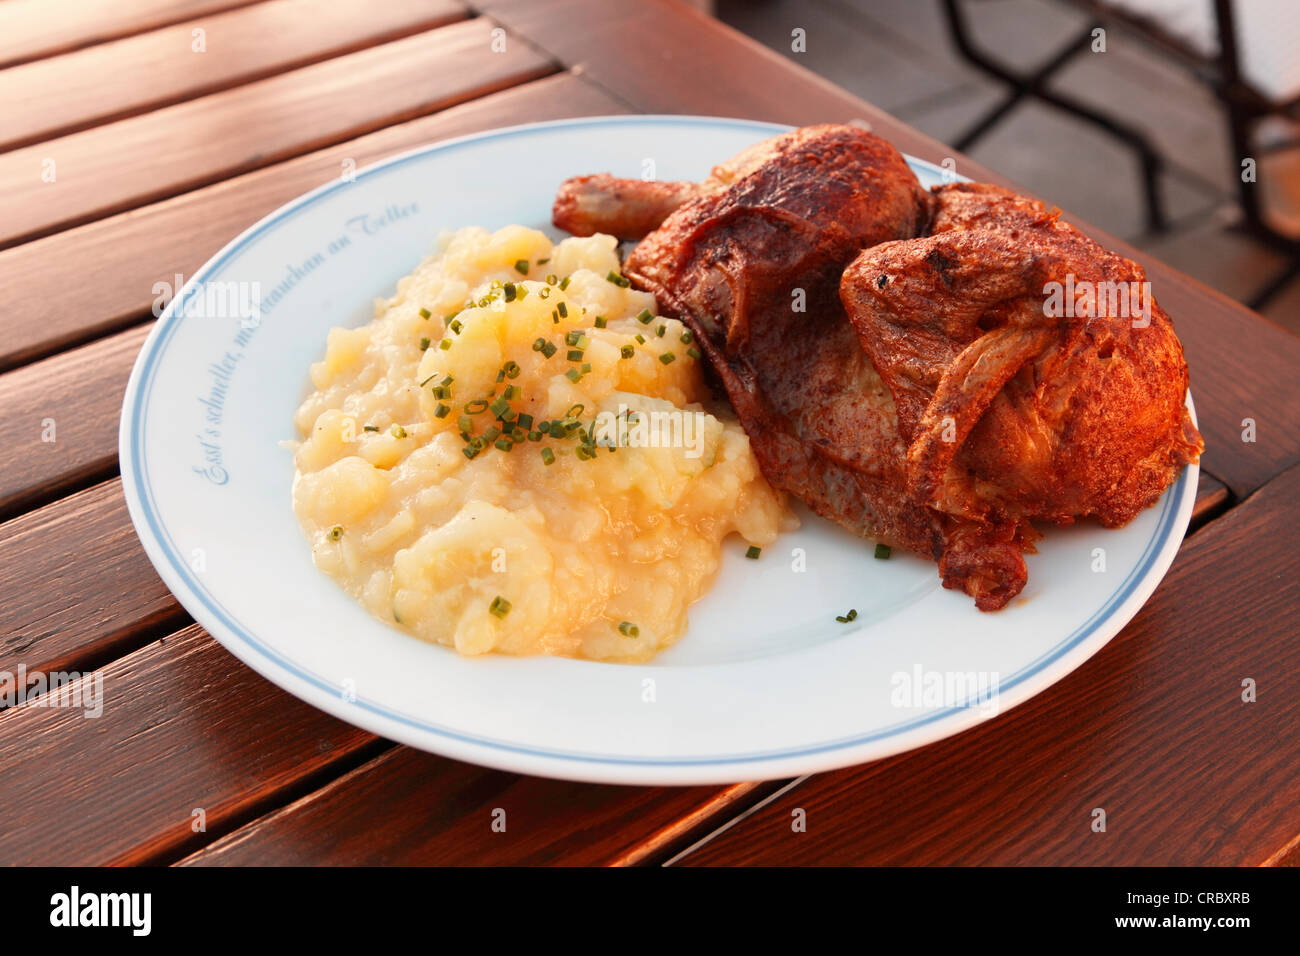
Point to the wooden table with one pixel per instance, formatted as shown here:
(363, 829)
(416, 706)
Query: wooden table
(128, 157)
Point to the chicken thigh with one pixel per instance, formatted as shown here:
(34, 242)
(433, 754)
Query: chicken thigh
(1035, 377)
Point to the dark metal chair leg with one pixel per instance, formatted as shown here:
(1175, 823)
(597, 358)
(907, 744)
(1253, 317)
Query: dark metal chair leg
(1034, 85)
(1260, 300)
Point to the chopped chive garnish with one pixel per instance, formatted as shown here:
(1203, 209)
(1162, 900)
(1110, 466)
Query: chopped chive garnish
(617, 279)
(371, 428)
(489, 436)
(544, 292)
(534, 435)
(548, 456)
(470, 451)
(628, 629)
(687, 337)
(466, 423)
(442, 411)
(564, 283)
(549, 349)
(336, 532)
(563, 310)
(524, 420)
(601, 322)
(544, 427)
(882, 552)
(500, 606)
(425, 313)
(627, 351)
(575, 411)
(575, 355)
(752, 552)
(645, 316)
(538, 344)
(511, 392)
(444, 344)
(542, 262)
(456, 325)
(667, 358)
(397, 431)
(640, 339)
(424, 344)
(511, 369)
(573, 375)
(477, 406)
(693, 352)
(521, 266)
(505, 444)
(509, 290)
(555, 317)
(551, 278)
(499, 406)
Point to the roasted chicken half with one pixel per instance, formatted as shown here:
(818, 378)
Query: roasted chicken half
(842, 415)
(1035, 377)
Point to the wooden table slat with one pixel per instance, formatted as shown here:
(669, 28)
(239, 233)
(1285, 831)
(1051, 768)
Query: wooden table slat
(124, 258)
(1153, 730)
(37, 28)
(410, 808)
(78, 586)
(184, 726)
(49, 97)
(136, 160)
(60, 420)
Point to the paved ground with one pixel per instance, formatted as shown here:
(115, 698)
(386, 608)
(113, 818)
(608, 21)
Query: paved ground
(897, 54)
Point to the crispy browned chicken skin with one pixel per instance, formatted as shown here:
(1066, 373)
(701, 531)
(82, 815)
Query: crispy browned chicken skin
(1015, 402)
(752, 260)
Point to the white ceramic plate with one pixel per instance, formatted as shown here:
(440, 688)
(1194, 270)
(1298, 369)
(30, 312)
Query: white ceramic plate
(765, 683)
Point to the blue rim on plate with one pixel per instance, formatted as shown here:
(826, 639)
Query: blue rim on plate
(206, 607)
